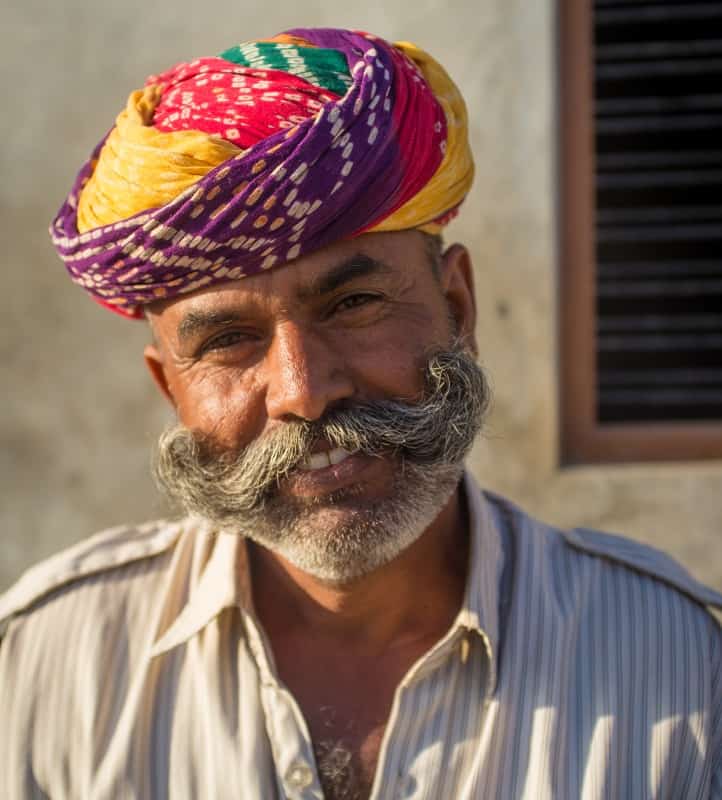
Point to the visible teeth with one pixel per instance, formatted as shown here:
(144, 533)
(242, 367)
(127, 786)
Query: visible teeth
(315, 461)
(337, 455)
(321, 460)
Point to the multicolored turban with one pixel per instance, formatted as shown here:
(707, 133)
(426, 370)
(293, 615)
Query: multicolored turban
(223, 167)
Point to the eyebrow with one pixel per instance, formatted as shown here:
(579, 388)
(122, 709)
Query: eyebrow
(358, 266)
(196, 322)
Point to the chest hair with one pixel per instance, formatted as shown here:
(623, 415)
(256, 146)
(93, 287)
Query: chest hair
(340, 771)
(346, 748)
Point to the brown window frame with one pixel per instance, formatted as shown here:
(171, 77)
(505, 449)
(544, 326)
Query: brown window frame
(583, 438)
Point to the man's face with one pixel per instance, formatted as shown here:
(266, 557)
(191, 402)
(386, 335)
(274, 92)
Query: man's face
(352, 324)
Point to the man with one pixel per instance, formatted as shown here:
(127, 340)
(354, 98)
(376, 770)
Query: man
(342, 614)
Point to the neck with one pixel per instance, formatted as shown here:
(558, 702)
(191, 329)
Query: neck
(415, 596)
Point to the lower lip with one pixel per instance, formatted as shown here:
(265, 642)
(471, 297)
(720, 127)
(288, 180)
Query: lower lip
(351, 470)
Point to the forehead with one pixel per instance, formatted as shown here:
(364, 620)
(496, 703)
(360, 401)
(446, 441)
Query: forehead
(383, 256)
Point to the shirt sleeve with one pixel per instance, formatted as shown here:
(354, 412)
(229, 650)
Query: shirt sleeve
(716, 715)
(17, 697)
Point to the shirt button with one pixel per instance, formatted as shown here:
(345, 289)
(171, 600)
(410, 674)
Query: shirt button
(406, 785)
(300, 776)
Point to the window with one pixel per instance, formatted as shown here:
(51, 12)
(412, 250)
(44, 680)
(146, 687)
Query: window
(641, 230)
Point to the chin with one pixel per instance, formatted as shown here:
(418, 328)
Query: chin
(344, 535)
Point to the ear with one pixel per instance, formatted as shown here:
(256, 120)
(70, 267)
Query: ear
(457, 284)
(154, 361)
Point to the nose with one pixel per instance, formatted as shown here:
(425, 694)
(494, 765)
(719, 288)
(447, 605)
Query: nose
(306, 374)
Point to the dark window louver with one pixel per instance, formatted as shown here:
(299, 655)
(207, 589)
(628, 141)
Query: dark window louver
(658, 222)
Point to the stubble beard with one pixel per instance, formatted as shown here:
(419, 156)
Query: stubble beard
(338, 537)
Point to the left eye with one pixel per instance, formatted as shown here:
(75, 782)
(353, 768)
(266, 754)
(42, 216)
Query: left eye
(354, 301)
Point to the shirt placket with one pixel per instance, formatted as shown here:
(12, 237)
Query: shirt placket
(392, 779)
(293, 757)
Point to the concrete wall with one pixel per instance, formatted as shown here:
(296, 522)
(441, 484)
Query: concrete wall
(80, 414)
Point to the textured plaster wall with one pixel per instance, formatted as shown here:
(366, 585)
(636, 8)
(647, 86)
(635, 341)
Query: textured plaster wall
(80, 414)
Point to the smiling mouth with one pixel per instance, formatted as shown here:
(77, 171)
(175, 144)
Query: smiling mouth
(328, 458)
(326, 472)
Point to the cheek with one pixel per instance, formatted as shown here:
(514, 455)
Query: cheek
(389, 361)
(221, 404)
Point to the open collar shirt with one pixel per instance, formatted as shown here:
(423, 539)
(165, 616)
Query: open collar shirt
(580, 665)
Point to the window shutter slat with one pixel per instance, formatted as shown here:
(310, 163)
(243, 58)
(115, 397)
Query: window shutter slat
(658, 128)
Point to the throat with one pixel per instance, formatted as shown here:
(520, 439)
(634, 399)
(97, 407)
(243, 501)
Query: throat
(415, 595)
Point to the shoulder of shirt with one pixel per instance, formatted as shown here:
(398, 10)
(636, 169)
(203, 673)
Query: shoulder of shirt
(615, 550)
(108, 550)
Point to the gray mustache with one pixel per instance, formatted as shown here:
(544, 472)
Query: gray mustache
(438, 430)
(434, 431)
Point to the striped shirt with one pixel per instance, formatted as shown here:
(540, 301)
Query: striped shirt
(580, 665)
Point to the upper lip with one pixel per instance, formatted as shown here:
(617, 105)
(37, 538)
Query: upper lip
(320, 446)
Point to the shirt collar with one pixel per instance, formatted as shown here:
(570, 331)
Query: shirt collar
(480, 610)
(221, 579)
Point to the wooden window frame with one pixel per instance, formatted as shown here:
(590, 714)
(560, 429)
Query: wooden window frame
(583, 438)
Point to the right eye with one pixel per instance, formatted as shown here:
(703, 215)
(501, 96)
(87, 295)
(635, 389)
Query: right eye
(226, 340)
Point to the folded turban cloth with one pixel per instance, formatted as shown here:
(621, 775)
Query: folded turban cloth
(223, 167)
